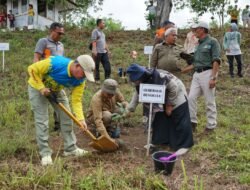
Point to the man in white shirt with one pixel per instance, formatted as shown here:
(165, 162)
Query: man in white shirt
(191, 42)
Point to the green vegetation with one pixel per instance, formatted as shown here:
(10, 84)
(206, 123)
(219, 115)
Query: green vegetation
(217, 161)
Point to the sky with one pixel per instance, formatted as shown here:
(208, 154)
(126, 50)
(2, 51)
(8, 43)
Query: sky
(132, 13)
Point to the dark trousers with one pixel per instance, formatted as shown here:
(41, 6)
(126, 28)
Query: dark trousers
(234, 21)
(104, 59)
(230, 59)
(12, 24)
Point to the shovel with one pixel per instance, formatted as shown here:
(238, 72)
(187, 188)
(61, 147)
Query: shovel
(102, 143)
(179, 152)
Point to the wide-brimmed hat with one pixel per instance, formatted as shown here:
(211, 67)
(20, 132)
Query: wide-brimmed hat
(88, 65)
(109, 86)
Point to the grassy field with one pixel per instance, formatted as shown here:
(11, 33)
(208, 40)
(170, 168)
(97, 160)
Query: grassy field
(217, 161)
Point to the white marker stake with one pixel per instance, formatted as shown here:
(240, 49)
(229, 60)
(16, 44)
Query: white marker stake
(148, 50)
(3, 61)
(4, 47)
(149, 58)
(149, 128)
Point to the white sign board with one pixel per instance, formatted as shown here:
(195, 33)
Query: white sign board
(148, 50)
(151, 93)
(4, 46)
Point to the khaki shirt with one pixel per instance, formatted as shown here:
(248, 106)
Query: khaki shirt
(206, 52)
(99, 104)
(167, 57)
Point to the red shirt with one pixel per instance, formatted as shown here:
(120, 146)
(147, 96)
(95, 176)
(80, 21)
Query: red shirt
(2, 17)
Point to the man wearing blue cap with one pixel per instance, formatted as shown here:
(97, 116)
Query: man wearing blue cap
(171, 120)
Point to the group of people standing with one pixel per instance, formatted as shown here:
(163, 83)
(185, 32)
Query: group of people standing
(11, 17)
(173, 122)
(234, 13)
(3, 19)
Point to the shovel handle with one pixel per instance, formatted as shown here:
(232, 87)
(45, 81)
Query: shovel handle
(76, 121)
(53, 98)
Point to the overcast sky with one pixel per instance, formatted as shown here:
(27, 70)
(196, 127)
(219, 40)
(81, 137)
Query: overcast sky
(132, 13)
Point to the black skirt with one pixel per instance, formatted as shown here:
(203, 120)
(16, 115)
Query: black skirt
(174, 130)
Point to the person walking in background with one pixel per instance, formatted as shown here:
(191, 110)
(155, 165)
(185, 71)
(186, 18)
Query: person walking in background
(231, 44)
(171, 123)
(206, 66)
(234, 13)
(191, 41)
(51, 46)
(11, 18)
(31, 14)
(51, 75)
(100, 50)
(246, 17)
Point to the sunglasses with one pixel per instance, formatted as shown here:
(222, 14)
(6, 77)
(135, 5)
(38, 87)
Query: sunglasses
(59, 33)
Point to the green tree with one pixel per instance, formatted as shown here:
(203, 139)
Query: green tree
(216, 7)
(76, 10)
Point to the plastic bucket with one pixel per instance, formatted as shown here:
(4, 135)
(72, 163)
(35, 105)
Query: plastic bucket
(165, 167)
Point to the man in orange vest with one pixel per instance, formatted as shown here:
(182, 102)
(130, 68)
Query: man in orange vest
(159, 36)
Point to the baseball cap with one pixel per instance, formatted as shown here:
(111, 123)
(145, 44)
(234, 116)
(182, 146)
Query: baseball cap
(88, 65)
(201, 24)
(109, 86)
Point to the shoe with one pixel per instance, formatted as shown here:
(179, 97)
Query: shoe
(208, 131)
(240, 75)
(194, 126)
(76, 152)
(46, 160)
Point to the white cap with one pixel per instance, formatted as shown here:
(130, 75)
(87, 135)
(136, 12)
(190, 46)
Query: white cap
(201, 24)
(171, 30)
(88, 65)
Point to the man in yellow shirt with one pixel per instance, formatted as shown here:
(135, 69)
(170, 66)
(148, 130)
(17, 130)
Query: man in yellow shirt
(52, 75)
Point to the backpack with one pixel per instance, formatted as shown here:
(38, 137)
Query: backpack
(90, 46)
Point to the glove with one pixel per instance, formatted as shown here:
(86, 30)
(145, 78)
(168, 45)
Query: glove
(121, 107)
(116, 116)
(126, 113)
